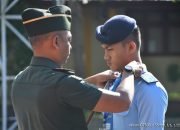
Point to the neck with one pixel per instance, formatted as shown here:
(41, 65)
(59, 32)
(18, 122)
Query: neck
(137, 58)
(46, 56)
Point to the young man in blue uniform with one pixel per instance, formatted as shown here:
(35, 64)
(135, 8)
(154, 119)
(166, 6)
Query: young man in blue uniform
(121, 40)
(47, 97)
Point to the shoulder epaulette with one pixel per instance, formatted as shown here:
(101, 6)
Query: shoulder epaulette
(149, 78)
(67, 71)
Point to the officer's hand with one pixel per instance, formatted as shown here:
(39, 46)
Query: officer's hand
(135, 67)
(101, 79)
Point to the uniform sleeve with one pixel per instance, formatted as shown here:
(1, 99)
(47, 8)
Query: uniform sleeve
(152, 106)
(78, 93)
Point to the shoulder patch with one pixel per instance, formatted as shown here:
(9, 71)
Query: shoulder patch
(76, 77)
(148, 77)
(67, 71)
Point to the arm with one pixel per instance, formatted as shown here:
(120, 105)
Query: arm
(76, 92)
(152, 106)
(100, 79)
(120, 100)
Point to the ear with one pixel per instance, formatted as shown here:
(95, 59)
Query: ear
(55, 42)
(132, 47)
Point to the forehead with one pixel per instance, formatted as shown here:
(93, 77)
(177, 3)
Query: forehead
(105, 46)
(110, 45)
(64, 33)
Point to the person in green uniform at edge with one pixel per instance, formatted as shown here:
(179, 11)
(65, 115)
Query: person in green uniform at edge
(47, 97)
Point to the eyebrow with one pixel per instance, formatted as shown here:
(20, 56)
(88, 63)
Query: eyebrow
(106, 46)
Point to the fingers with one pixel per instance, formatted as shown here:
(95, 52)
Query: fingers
(107, 76)
(137, 67)
(111, 75)
(116, 74)
(137, 72)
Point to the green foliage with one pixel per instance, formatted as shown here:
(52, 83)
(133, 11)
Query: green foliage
(173, 72)
(174, 96)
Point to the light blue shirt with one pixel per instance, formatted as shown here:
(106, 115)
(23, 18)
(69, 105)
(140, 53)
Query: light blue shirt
(148, 108)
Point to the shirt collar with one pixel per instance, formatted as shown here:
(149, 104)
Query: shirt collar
(42, 61)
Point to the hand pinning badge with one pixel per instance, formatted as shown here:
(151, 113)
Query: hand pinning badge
(135, 68)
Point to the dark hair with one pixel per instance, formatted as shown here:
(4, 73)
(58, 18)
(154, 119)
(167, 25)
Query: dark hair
(135, 36)
(34, 40)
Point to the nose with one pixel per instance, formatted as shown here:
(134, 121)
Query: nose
(105, 56)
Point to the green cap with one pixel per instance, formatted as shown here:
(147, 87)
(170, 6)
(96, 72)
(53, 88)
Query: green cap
(41, 21)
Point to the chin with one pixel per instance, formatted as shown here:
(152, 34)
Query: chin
(114, 68)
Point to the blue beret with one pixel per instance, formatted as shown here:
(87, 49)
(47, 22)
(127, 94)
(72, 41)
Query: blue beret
(115, 29)
(40, 21)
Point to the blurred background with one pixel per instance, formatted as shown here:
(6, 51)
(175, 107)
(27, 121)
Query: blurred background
(159, 22)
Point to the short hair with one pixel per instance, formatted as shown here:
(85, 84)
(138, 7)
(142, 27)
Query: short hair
(34, 40)
(135, 36)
